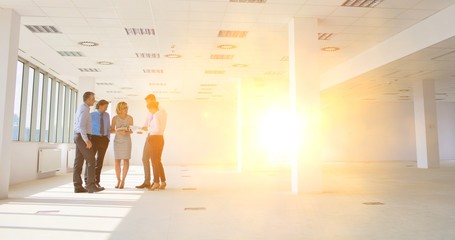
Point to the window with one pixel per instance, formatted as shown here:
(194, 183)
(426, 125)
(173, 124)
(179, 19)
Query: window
(44, 106)
(29, 102)
(17, 100)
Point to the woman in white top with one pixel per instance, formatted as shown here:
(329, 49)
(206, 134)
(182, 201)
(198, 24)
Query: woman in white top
(156, 140)
(122, 143)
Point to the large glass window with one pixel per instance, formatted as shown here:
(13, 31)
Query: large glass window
(28, 108)
(17, 100)
(44, 106)
(39, 107)
(48, 108)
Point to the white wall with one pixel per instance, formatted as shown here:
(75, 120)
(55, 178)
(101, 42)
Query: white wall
(375, 131)
(24, 160)
(446, 130)
(197, 132)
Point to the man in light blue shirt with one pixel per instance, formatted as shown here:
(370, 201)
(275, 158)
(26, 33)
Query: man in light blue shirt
(83, 130)
(100, 138)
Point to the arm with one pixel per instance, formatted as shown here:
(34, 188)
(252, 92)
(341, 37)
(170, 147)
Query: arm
(114, 121)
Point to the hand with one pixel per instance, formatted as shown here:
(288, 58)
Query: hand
(89, 144)
(145, 129)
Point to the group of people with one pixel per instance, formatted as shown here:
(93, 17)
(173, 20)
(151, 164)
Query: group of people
(92, 135)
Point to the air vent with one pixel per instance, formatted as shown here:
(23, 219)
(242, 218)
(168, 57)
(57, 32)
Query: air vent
(70, 54)
(148, 55)
(153, 70)
(157, 84)
(248, 1)
(361, 3)
(105, 83)
(89, 70)
(232, 34)
(221, 56)
(272, 73)
(42, 29)
(325, 36)
(208, 85)
(214, 71)
(140, 31)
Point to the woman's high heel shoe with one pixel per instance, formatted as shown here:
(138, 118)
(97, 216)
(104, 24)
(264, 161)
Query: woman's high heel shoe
(162, 186)
(122, 184)
(154, 186)
(118, 184)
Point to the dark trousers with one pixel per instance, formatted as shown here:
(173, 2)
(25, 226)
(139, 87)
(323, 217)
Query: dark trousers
(100, 144)
(83, 153)
(146, 161)
(156, 149)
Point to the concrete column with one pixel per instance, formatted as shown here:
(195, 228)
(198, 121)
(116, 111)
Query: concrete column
(426, 124)
(86, 84)
(9, 44)
(305, 102)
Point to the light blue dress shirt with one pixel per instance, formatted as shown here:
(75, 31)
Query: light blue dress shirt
(83, 121)
(96, 123)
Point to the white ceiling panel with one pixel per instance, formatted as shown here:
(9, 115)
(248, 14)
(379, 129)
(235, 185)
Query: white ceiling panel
(62, 12)
(54, 4)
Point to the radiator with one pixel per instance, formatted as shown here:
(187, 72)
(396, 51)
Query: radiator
(70, 157)
(49, 160)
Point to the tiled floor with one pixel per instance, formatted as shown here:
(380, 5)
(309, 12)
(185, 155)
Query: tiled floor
(360, 201)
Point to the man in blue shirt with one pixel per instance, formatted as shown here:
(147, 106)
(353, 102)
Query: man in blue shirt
(83, 130)
(100, 138)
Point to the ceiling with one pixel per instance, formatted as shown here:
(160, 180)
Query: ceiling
(201, 32)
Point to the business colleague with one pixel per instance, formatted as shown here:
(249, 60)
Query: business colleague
(121, 126)
(156, 141)
(82, 133)
(149, 99)
(101, 122)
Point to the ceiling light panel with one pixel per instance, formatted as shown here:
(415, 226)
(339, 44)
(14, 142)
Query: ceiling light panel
(325, 36)
(42, 29)
(361, 3)
(221, 56)
(89, 70)
(232, 34)
(147, 55)
(70, 54)
(140, 31)
(248, 1)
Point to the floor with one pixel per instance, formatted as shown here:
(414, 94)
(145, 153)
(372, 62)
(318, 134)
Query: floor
(360, 200)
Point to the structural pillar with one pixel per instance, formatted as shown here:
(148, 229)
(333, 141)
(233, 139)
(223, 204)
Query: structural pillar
(426, 125)
(305, 104)
(9, 44)
(86, 84)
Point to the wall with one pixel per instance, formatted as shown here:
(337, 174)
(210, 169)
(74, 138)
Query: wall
(197, 132)
(375, 131)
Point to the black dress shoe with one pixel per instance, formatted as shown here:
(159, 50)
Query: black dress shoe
(94, 189)
(144, 185)
(80, 190)
(99, 186)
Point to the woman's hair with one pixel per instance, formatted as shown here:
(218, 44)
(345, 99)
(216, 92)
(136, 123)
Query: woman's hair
(121, 106)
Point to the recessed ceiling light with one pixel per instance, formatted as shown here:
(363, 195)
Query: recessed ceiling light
(240, 65)
(105, 63)
(330, 49)
(173, 55)
(226, 46)
(88, 44)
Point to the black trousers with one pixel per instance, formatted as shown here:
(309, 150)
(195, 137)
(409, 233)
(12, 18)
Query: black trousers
(100, 144)
(156, 149)
(83, 154)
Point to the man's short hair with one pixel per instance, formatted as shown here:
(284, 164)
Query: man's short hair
(150, 97)
(100, 103)
(87, 95)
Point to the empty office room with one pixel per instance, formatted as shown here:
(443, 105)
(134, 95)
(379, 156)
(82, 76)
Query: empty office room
(245, 119)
